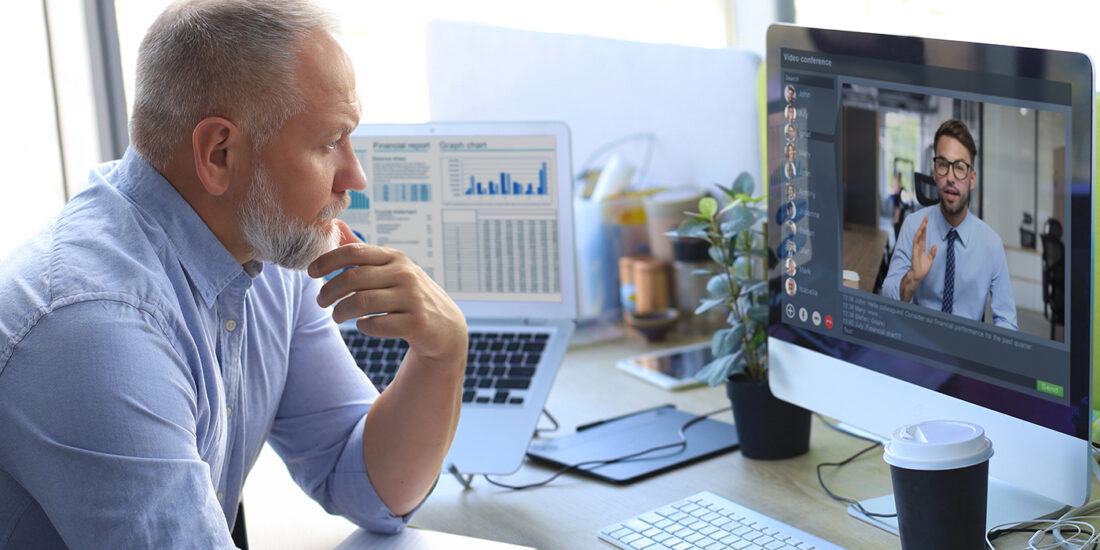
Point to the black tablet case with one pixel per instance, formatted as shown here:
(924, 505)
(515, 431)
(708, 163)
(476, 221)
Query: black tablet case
(633, 433)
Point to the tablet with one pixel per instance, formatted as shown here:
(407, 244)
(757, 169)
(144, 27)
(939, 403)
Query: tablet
(635, 433)
(671, 369)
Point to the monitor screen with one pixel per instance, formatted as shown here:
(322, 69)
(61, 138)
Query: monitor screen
(930, 214)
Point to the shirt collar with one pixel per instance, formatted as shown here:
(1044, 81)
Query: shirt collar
(210, 266)
(963, 230)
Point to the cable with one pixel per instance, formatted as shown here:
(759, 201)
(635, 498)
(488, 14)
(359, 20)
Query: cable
(540, 431)
(1083, 533)
(639, 455)
(846, 500)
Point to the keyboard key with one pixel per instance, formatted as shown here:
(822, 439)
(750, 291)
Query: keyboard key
(521, 372)
(513, 383)
(468, 396)
(536, 347)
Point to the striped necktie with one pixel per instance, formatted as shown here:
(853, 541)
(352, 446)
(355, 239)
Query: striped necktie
(949, 273)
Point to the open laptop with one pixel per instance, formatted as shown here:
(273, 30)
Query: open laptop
(486, 210)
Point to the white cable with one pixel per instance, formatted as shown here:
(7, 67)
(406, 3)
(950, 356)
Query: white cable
(1084, 534)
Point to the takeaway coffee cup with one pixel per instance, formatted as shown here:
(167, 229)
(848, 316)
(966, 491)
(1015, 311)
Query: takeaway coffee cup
(940, 474)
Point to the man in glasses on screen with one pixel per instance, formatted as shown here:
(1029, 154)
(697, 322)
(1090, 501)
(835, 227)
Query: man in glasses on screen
(946, 258)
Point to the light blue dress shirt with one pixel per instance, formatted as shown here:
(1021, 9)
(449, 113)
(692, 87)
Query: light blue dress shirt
(980, 267)
(142, 369)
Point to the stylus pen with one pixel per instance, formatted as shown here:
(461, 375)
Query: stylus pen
(584, 427)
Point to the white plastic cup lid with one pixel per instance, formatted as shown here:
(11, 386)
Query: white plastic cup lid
(850, 275)
(938, 445)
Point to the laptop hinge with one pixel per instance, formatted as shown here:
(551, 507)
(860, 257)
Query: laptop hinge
(536, 321)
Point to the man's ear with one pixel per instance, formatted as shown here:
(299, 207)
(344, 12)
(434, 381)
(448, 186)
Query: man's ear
(218, 146)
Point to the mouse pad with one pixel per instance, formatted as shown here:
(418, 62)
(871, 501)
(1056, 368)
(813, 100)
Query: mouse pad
(634, 433)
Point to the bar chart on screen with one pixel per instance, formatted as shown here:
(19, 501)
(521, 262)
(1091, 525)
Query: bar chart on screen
(510, 179)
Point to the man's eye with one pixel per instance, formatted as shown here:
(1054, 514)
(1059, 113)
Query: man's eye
(335, 144)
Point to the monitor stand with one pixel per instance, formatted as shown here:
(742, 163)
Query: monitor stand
(1006, 504)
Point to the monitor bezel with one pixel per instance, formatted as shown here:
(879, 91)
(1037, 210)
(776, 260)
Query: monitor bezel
(799, 360)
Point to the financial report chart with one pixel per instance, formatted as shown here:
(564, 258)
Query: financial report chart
(477, 179)
(509, 255)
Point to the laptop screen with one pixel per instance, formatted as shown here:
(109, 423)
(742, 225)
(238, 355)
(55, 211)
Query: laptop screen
(484, 209)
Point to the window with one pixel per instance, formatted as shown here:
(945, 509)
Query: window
(32, 188)
(386, 39)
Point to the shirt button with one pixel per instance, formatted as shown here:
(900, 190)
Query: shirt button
(228, 411)
(221, 496)
(230, 325)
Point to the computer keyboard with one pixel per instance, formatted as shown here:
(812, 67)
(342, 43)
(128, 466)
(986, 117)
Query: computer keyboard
(499, 365)
(706, 520)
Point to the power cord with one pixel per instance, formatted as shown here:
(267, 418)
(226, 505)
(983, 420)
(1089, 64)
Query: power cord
(1082, 534)
(539, 432)
(639, 455)
(875, 444)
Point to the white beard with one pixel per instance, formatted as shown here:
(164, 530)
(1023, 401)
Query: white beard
(278, 238)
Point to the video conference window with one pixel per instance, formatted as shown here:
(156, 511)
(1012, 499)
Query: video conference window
(923, 222)
(995, 176)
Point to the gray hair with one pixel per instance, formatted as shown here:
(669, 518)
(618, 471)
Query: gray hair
(229, 58)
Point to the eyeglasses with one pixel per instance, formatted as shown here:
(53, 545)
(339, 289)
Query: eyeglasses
(960, 167)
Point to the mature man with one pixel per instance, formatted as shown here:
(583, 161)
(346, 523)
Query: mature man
(161, 329)
(972, 264)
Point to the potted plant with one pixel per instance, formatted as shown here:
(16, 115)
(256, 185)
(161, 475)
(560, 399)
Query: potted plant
(736, 232)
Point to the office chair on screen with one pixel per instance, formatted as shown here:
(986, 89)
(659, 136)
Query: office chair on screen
(1054, 276)
(925, 189)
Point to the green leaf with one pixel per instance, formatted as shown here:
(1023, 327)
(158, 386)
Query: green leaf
(758, 338)
(708, 207)
(716, 254)
(726, 340)
(737, 221)
(707, 305)
(743, 184)
(754, 287)
(702, 272)
(693, 227)
(718, 370)
(741, 268)
(759, 313)
(718, 285)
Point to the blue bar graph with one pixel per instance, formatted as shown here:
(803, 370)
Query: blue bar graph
(359, 201)
(506, 184)
(402, 192)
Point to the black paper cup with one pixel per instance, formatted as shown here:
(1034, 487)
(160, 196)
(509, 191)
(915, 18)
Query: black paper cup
(940, 474)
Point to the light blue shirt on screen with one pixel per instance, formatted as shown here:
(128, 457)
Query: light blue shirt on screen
(142, 369)
(981, 269)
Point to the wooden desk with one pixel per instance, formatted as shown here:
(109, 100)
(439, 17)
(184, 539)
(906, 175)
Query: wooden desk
(863, 248)
(567, 513)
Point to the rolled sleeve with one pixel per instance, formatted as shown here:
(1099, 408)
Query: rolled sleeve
(318, 430)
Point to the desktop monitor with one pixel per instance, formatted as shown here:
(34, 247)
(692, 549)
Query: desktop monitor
(869, 337)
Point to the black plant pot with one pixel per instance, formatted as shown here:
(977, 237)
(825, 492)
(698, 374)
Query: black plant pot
(768, 427)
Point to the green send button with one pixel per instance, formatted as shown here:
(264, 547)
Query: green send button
(1047, 387)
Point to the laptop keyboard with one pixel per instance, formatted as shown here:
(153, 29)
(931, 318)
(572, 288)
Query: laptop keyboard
(706, 520)
(499, 365)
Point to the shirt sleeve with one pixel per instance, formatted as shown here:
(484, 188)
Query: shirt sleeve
(318, 429)
(901, 261)
(98, 423)
(1003, 302)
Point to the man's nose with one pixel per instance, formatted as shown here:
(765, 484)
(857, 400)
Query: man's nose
(349, 174)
